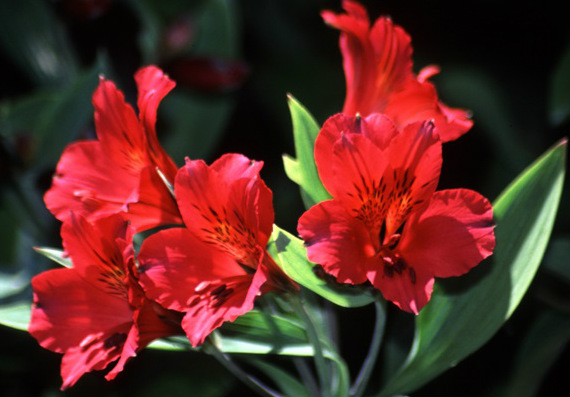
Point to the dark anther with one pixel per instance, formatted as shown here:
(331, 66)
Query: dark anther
(115, 340)
(382, 233)
(388, 271)
(218, 290)
(399, 266)
(412, 275)
(225, 293)
(194, 301)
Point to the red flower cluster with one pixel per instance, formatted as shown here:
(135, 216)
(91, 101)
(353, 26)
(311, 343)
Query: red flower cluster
(96, 313)
(381, 160)
(211, 267)
(386, 224)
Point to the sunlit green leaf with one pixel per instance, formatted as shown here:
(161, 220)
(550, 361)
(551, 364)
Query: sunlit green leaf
(254, 333)
(303, 170)
(11, 284)
(259, 333)
(16, 315)
(55, 255)
(291, 255)
(466, 312)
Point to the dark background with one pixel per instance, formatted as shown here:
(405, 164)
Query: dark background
(500, 60)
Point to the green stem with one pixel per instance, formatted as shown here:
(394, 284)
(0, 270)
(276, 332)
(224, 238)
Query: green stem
(361, 381)
(313, 335)
(239, 373)
(306, 375)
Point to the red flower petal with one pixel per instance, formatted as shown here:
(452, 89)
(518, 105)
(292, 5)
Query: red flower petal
(174, 262)
(452, 235)
(121, 136)
(231, 209)
(376, 61)
(208, 312)
(67, 309)
(233, 166)
(418, 101)
(358, 167)
(379, 78)
(100, 178)
(149, 324)
(409, 289)
(377, 128)
(183, 273)
(88, 183)
(337, 241)
(102, 249)
(153, 85)
(155, 205)
(415, 165)
(95, 312)
(93, 354)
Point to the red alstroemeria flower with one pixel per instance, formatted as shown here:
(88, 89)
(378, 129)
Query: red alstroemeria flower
(386, 223)
(118, 171)
(95, 313)
(215, 267)
(379, 78)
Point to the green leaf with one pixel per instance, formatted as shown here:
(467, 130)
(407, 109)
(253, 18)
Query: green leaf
(219, 33)
(195, 123)
(12, 283)
(542, 345)
(55, 255)
(465, 312)
(288, 384)
(16, 315)
(32, 37)
(53, 118)
(303, 170)
(478, 91)
(253, 333)
(259, 333)
(559, 98)
(291, 255)
(262, 327)
(556, 258)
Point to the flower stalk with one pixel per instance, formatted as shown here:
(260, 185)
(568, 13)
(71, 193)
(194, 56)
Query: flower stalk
(359, 386)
